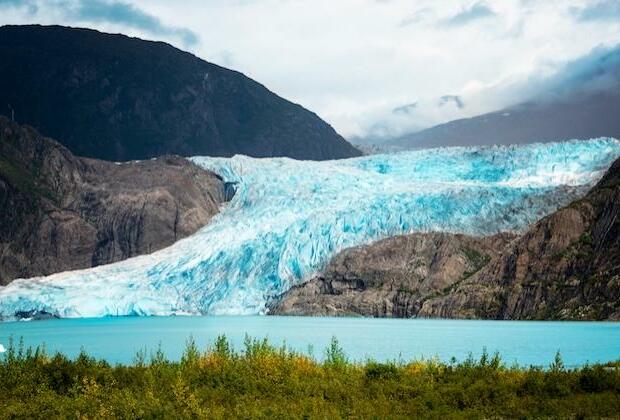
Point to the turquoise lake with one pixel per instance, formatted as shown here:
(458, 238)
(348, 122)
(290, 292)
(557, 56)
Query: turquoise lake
(527, 343)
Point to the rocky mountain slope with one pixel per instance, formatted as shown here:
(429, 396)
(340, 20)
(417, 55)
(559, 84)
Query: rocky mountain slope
(118, 98)
(392, 277)
(566, 266)
(580, 117)
(61, 212)
(580, 100)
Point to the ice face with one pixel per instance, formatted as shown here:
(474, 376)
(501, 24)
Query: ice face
(288, 218)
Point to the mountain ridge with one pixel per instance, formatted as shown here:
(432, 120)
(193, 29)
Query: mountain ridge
(118, 98)
(587, 117)
(578, 101)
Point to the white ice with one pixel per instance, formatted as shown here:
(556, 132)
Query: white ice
(288, 218)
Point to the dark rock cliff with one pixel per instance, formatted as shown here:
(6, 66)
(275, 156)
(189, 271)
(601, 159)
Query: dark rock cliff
(566, 266)
(61, 212)
(118, 98)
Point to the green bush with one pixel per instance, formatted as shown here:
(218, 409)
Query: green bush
(263, 381)
(335, 357)
(598, 379)
(374, 370)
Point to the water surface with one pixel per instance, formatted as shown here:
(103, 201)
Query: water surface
(524, 342)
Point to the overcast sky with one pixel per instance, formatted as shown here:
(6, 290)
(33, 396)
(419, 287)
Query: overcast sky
(368, 67)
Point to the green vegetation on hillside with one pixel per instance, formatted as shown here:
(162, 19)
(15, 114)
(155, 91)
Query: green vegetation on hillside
(262, 381)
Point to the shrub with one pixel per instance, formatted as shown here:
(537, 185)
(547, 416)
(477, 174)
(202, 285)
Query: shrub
(273, 382)
(335, 357)
(374, 370)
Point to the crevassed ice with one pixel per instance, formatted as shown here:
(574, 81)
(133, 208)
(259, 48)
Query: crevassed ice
(288, 218)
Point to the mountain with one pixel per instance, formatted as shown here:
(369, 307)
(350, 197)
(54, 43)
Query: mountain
(118, 98)
(61, 212)
(289, 218)
(579, 101)
(582, 117)
(392, 277)
(566, 266)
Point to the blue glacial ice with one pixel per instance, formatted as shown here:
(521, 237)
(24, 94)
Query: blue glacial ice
(288, 218)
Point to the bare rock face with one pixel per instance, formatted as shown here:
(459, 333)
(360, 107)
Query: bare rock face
(566, 266)
(392, 277)
(61, 212)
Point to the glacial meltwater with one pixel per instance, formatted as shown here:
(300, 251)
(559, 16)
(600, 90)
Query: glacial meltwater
(117, 339)
(288, 218)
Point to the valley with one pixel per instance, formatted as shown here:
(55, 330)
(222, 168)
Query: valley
(289, 218)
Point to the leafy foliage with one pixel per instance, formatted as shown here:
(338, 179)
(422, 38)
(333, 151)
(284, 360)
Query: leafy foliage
(263, 381)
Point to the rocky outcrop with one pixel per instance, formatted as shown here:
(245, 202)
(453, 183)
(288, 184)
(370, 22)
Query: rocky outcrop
(61, 212)
(566, 266)
(118, 98)
(392, 277)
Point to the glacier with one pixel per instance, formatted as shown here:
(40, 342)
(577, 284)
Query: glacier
(288, 218)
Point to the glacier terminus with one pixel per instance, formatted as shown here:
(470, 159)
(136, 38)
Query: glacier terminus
(288, 218)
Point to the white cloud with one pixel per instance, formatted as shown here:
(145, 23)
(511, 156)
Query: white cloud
(354, 61)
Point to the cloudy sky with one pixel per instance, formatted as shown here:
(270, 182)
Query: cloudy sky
(368, 67)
